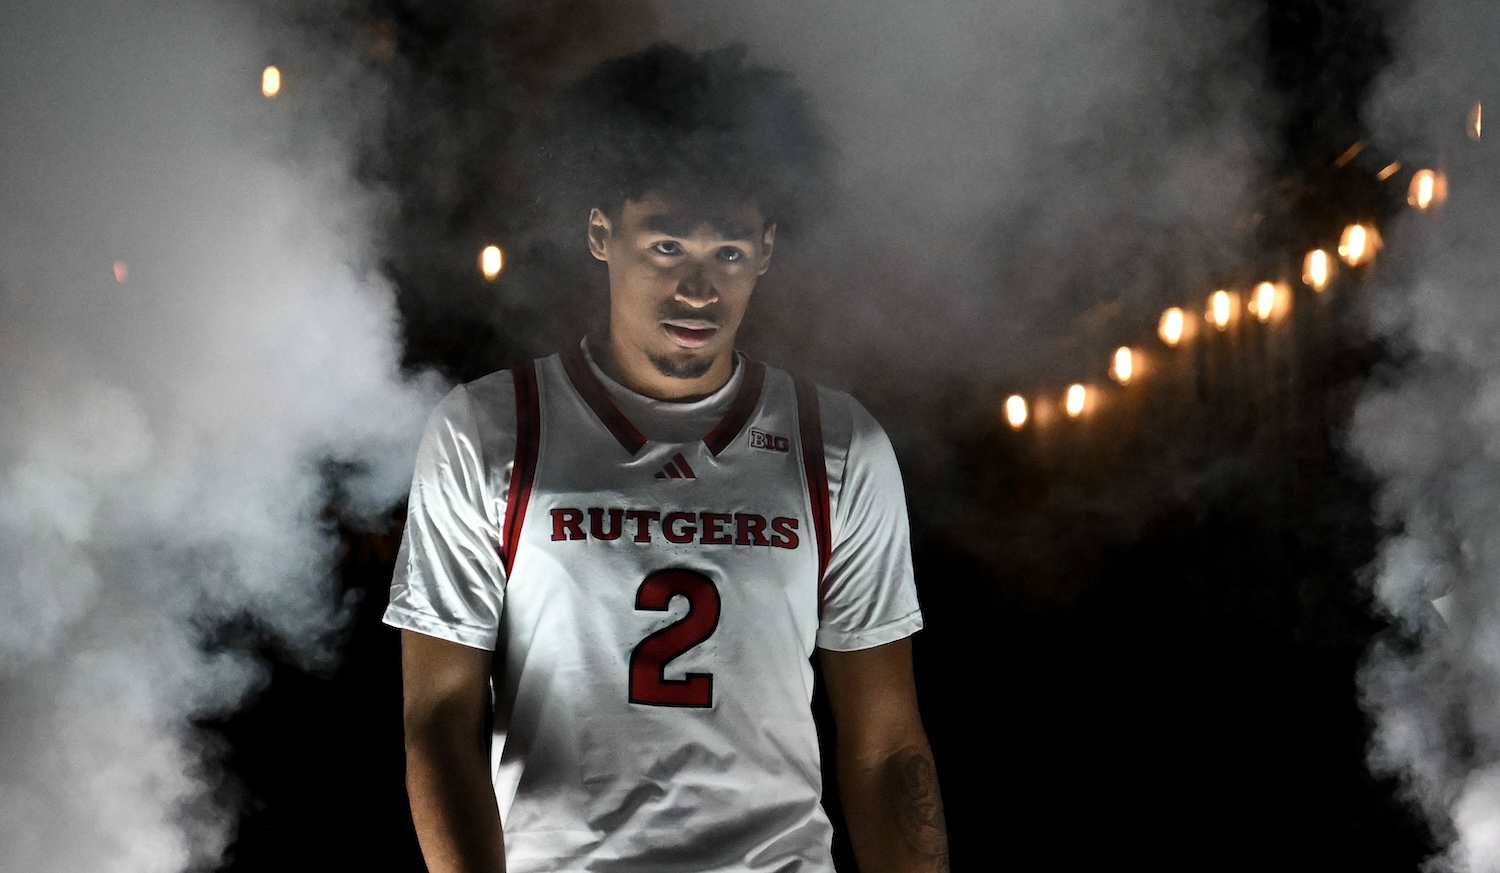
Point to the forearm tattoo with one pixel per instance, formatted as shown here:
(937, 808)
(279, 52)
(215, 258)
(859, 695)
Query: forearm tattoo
(921, 809)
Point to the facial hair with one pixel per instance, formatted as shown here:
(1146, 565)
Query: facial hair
(689, 369)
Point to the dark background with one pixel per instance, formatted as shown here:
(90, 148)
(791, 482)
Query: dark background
(1105, 678)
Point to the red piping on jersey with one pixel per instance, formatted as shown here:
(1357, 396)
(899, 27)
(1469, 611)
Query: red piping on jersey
(598, 399)
(740, 409)
(523, 469)
(588, 387)
(815, 467)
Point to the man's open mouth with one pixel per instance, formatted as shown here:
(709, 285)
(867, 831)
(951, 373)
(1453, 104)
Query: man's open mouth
(691, 335)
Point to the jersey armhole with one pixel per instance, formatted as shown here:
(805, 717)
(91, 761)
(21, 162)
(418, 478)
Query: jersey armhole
(523, 467)
(815, 470)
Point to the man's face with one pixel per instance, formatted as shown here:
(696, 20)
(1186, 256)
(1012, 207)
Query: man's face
(679, 284)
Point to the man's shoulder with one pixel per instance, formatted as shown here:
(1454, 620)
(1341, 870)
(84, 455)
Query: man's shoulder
(827, 396)
(486, 405)
(845, 420)
(498, 386)
(500, 383)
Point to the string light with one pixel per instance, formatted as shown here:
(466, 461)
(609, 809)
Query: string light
(1269, 300)
(270, 82)
(1349, 154)
(1171, 326)
(122, 272)
(1222, 307)
(1123, 367)
(1475, 127)
(1076, 397)
(1317, 269)
(1389, 171)
(491, 262)
(1261, 301)
(1428, 188)
(1358, 243)
(1015, 411)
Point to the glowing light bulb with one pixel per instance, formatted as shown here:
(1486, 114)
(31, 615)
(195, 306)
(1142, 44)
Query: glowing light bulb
(1261, 300)
(1221, 308)
(1358, 243)
(270, 82)
(122, 272)
(1015, 411)
(1428, 187)
(1123, 367)
(491, 262)
(1476, 122)
(1317, 269)
(1349, 154)
(1171, 326)
(1076, 398)
(1388, 171)
(1269, 300)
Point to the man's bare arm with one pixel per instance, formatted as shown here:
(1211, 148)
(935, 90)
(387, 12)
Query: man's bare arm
(887, 781)
(445, 689)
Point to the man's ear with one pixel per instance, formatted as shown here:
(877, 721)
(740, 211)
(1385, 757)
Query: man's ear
(767, 242)
(599, 232)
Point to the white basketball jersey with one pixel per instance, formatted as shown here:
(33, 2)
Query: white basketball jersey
(658, 604)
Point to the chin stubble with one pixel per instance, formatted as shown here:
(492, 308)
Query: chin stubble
(690, 369)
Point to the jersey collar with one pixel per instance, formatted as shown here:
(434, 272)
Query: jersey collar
(587, 384)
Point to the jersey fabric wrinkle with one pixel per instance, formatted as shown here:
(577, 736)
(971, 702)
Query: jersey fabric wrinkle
(608, 755)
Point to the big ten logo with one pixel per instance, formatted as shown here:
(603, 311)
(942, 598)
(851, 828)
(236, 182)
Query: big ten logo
(771, 442)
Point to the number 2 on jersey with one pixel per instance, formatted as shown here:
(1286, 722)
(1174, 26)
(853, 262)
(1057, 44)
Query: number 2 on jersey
(648, 661)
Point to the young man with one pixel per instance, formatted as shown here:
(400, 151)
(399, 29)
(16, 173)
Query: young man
(619, 560)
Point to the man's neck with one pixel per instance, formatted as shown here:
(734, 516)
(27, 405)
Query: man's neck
(635, 370)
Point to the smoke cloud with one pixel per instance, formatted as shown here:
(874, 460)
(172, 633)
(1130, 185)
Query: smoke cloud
(1022, 183)
(190, 329)
(1429, 431)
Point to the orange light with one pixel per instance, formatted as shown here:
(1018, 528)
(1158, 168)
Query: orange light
(1270, 300)
(1358, 243)
(1476, 122)
(1171, 326)
(1222, 308)
(1317, 269)
(1123, 367)
(1427, 188)
(270, 82)
(491, 262)
(1015, 411)
(1076, 398)
(122, 272)
(1261, 300)
(1389, 170)
(1349, 154)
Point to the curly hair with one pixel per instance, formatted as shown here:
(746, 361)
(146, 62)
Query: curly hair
(703, 130)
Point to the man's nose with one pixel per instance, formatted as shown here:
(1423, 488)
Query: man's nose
(696, 287)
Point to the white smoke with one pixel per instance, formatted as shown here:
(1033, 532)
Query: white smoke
(1007, 166)
(1431, 431)
(162, 439)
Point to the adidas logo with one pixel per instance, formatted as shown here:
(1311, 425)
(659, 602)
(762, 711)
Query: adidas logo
(677, 468)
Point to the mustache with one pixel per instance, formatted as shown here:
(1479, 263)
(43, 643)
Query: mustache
(676, 312)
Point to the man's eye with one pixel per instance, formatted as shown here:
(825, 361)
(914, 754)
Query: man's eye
(731, 254)
(667, 247)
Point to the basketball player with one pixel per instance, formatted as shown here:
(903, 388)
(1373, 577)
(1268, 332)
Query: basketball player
(619, 560)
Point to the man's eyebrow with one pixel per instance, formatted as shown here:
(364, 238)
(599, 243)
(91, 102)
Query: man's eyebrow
(683, 225)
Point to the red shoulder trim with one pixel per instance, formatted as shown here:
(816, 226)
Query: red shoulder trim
(810, 429)
(523, 469)
(588, 387)
(740, 409)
